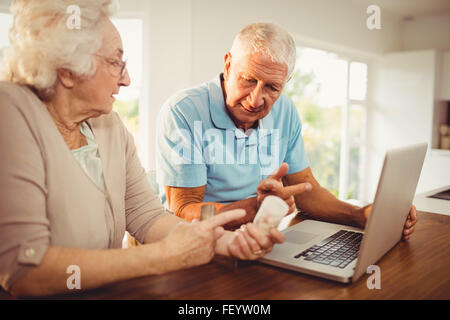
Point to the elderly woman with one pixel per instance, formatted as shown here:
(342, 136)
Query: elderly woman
(71, 182)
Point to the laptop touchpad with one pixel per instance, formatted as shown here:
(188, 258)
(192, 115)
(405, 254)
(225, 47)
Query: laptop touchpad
(299, 237)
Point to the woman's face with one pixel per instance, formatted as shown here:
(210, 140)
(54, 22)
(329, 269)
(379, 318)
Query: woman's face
(97, 92)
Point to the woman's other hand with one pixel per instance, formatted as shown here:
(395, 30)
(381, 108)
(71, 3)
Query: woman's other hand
(251, 242)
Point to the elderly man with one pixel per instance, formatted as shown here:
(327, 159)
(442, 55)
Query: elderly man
(218, 142)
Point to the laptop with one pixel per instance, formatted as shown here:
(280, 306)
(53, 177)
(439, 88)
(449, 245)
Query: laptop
(343, 253)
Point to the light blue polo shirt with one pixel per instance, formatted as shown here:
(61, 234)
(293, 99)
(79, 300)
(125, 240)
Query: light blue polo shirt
(198, 144)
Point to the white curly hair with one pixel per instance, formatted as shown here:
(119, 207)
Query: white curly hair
(42, 41)
(269, 40)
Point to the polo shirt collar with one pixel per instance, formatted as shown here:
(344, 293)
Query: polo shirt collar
(219, 114)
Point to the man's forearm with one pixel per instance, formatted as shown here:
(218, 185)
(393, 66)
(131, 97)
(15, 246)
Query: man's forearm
(322, 205)
(249, 205)
(192, 211)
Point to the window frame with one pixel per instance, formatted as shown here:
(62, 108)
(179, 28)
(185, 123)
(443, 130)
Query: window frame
(4, 9)
(346, 139)
(143, 94)
(349, 56)
(144, 98)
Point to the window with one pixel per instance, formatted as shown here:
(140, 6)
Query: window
(329, 92)
(6, 21)
(127, 103)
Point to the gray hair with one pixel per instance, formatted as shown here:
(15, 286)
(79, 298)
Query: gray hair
(42, 42)
(268, 39)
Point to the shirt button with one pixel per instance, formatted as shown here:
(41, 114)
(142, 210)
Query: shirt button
(29, 252)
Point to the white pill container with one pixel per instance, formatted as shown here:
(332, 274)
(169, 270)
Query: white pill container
(272, 210)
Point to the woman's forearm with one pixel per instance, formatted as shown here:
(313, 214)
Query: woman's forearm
(97, 268)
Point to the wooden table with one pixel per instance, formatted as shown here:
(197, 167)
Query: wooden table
(416, 269)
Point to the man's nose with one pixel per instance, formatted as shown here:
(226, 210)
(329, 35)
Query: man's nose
(256, 99)
(125, 79)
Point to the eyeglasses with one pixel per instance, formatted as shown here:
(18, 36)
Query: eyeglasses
(117, 66)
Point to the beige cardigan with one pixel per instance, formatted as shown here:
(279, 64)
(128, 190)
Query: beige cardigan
(46, 198)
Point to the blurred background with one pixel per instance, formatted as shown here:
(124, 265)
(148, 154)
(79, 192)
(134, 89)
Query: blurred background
(359, 90)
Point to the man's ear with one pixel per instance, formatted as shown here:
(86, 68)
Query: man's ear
(66, 77)
(227, 65)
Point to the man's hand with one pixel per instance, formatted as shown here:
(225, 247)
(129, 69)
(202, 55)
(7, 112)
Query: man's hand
(410, 223)
(273, 185)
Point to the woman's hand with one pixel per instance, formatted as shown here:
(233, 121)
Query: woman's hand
(193, 244)
(251, 243)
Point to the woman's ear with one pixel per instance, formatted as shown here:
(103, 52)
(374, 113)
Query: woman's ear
(66, 77)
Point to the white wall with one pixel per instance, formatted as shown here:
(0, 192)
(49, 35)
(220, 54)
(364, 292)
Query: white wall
(402, 101)
(4, 4)
(167, 60)
(168, 67)
(404, 89)
(325, 24)
(428, 32)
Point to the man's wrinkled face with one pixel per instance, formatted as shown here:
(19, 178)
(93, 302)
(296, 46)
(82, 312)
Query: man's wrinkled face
(252, 84)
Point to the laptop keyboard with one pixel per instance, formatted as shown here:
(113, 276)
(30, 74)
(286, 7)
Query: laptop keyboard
(338, 250)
